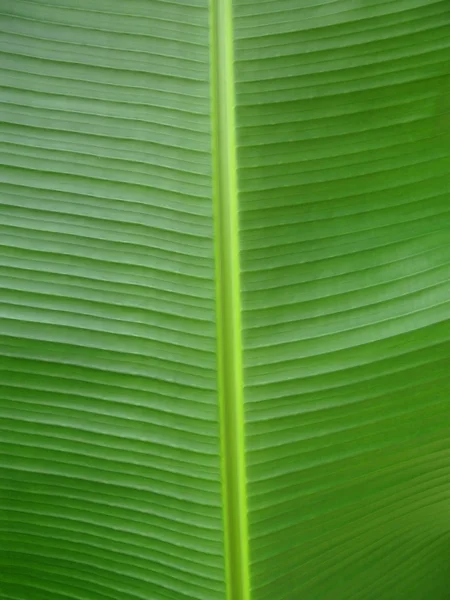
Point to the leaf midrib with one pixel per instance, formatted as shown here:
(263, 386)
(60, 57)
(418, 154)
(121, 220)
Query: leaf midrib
(229, 348)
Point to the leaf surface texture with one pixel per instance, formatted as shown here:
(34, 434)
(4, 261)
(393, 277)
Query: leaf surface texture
(111, 460)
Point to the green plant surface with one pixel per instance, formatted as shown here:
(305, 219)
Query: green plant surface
(224, 299)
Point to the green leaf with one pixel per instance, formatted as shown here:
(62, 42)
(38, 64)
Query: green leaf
(224, 307)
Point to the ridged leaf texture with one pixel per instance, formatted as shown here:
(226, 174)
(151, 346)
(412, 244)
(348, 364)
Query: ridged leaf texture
(224, 306)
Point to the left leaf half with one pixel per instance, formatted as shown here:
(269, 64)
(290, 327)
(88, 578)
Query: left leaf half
(110, 467)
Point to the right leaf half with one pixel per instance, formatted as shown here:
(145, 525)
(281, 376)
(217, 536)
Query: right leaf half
(345, 225)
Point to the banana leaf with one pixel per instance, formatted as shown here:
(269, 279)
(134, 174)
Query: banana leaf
(224, 299)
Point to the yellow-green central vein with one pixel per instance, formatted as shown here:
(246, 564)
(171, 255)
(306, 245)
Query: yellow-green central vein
(228, 303)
